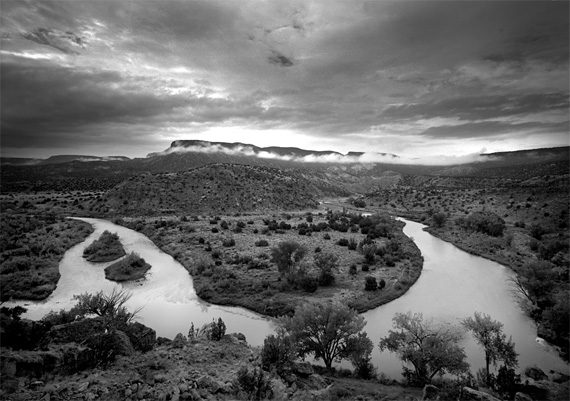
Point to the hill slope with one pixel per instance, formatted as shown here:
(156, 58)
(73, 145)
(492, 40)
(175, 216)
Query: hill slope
(217, 188)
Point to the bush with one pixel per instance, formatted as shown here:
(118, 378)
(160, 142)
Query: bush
(381, 284)
(342, 242)
(352, 244)
(370, 283)
(278, 352)
(228, 242)
(218, 330)
(308, 283)
(326, 236)
(261, 242)
(254, 383)
(352, 270)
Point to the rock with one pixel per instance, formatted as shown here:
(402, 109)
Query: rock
(37, 384)
(9, 384)
(163, 341)
(142, 337)
(207, 383)
(179, 341)
(160, 378)
(313, 382)
(122, 343)
(522, 397)
(558, 377)
(430, 392)
(205, 331)
(81, 387)
(470, 394)
(76, 331)
(535, 373)
(90, 397)
(303, 369)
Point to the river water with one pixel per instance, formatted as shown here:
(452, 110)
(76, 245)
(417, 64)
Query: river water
(453, 285)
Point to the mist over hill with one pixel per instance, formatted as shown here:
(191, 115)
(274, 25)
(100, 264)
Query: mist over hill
(354, 171)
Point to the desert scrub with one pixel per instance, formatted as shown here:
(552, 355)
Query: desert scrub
(105, 249)
(132, 267)
(30, 250)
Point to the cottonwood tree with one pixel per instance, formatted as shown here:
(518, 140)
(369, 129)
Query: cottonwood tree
(431, 349)
(326, 263)
(489, 334)
(330, 331)
(287, 255)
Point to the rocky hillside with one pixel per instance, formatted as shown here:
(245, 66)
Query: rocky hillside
(216, 188)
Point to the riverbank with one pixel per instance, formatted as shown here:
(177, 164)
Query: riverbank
(32, 247)
(229, 257)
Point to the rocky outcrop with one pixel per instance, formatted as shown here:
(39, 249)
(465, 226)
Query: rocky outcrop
(142, 337)
(535, 373)
(75, 332)
(475, 395)
(430, 392)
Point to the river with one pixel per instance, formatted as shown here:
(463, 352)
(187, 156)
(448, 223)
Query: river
(453, 285)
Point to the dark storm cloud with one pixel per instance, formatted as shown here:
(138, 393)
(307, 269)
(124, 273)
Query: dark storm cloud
(481, 107)
(351, 69)
(279, 59)
(62, 41)
(493, 129)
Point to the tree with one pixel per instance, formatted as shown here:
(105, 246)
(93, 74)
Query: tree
(287, 255)
(489, 334)
(278, 352)
(109, 306)
(326, 262)
(328, 331)
(439, 219)
(432, 350)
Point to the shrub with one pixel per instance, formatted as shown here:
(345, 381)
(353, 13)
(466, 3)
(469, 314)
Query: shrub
(278, 352)
(261, 242)
(215, 230)
(370, 283)
(228, 242)
(365, 267)
(224, 225)
(254, 383)
(308, 283)
(352, 270)
(218, 330)
(342, 242)
(326, 236)
(352, 244)
(381, 284)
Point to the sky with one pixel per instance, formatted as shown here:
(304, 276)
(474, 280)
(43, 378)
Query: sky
(412, 78)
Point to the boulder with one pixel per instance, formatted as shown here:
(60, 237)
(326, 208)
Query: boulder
(163, 341)
(207, 383)
(535, 373)
(430, 392)
(475, 395)
(522, 397)
(9, 384)
(142, 337)
(179, 341)
(303, 369)
(76, 332)
(558, 377)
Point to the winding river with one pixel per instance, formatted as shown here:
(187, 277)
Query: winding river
(453, 285)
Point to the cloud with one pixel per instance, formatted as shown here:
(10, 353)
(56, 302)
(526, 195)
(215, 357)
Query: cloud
(320, 157)
(62, 41)
(360, 72)
(279, 59)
